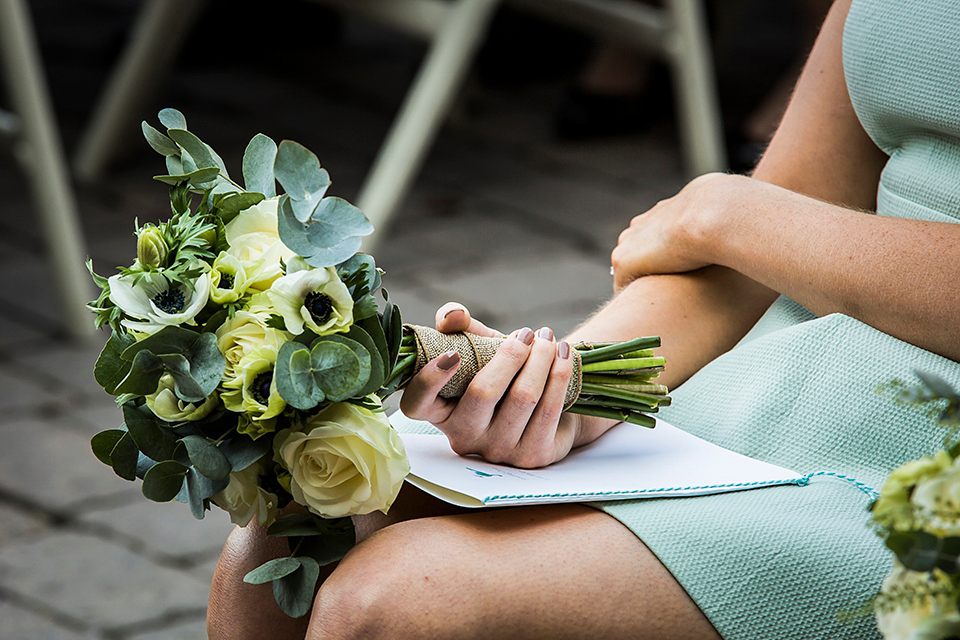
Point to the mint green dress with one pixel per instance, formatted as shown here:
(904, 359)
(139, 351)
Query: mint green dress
(802, 392)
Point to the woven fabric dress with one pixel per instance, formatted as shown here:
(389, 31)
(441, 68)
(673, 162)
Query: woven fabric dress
(802, 392)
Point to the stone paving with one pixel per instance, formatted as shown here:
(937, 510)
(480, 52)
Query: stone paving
(503, 218)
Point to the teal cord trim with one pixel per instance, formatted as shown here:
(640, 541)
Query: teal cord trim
(870, 491)
(628, 492)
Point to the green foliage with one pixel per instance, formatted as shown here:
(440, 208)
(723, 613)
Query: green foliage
(258, 161)
(298, 172)
(191, 358)
(334, 368)
(163, 481)
(241, 450)
(922, 551)
(151, 435)
(297, 524)
(272, 570)
(111, 369)
(116, 448)
(206, 457)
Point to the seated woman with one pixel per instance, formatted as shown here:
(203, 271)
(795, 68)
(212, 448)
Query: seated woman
(783, 304)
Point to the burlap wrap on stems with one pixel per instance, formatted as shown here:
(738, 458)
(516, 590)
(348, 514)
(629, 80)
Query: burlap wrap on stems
(475, 351)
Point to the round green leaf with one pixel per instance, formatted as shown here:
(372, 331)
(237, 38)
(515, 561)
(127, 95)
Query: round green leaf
(163, 481)
(336, 369)
(272, 570)
(104, 443)
(294, 591)
(294, 377)
(205, 456)
(152, 438)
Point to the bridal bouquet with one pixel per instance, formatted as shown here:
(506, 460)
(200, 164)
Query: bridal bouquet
(251, 347)
(918, 515)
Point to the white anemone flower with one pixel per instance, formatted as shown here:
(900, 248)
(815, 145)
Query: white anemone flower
(314, 298)
(153, 303)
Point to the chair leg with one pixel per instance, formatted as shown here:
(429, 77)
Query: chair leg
(156, 39)
(699, 112)
(45, 166)
(424, 109)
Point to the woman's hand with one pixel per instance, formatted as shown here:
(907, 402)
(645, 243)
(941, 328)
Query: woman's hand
(512, 412)
(673, 236)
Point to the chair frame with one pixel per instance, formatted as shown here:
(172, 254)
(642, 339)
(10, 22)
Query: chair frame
(455, 29)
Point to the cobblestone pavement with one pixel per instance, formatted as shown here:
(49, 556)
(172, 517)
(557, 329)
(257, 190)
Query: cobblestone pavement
(503, 218)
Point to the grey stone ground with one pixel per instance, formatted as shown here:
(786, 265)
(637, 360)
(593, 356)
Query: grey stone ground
(503, 218)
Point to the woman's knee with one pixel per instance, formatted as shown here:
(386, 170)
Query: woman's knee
(400, 583)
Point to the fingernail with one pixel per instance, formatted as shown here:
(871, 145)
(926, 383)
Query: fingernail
(546, 333)
(525, 336)
(563, 350)
(447, 314)
(448, 360)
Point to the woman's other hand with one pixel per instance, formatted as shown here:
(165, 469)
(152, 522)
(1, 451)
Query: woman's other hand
(512, 412)
(674, 236)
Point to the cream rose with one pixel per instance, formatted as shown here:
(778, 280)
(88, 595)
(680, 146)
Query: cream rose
(346, 461)
(245, 499)
(903, 622)
(246, 331)
(894, 508)
(253, 391)
(938, 499)
(167, 406)
(255, 242)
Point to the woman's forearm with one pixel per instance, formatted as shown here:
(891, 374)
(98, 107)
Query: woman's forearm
(897, 275)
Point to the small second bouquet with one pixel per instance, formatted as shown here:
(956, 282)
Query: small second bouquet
(252, 345)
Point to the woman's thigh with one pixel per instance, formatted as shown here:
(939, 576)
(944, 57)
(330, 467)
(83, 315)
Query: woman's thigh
(564, 571)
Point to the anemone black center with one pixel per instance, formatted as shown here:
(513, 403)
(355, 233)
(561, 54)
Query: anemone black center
(319, 305)
(169, 301)
(260, 389)
(226, 281)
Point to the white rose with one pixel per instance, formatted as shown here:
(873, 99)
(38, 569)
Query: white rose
(939, 501)
(246, 331)
(902, 622)
(154, 304)
(315, 298)
(253, 239)
(346, 461)
(244, 498)
(167, 406)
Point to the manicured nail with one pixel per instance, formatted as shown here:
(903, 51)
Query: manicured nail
(447, 314)
(448, 360)
(563, 350)
(546, 333)
(526, 336)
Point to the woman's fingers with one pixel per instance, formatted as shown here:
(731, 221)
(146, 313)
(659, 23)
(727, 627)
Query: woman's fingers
(475, 409)
(420, 399)
(501, 439)
(453, 317)
(547, 437)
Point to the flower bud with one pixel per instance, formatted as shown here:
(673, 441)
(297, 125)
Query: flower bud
(152, 249)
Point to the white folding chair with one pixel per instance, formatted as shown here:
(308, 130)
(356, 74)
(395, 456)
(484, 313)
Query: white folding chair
(38, 148)
(455, 29)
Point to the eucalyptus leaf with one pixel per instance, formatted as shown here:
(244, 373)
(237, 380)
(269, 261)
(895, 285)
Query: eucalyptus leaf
(163, 481)
(174, 166)
(337, 539)
(297, 524)
(104, 443)
(272, 570)
(110, 369)
(294, 377)
(152, 438)
(334, 220)
(159, 142)
(365, 307)
(195, 497)
(241, 450)
(937, 385)
(206, 457)
(258, 160)
(363, 267)
(294, 592)
(185, 386)
(336, 369)
(202, 154)
(172, 119)
(360, 344)
(298, 170)
(123, 454)
(234, 204)
(332, 255)
(143, 376)
(392, 325)
(292, 232)
(196, 177)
